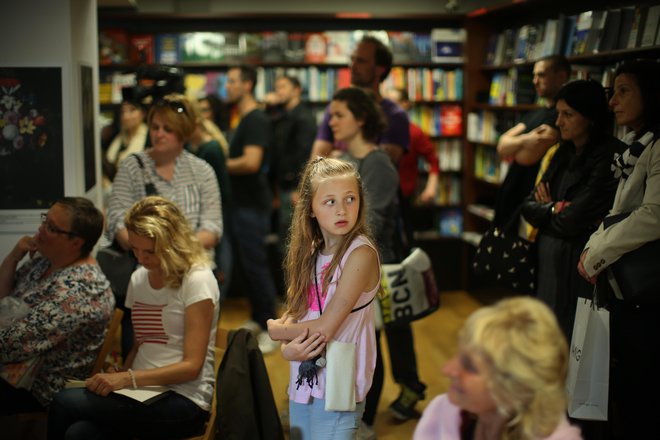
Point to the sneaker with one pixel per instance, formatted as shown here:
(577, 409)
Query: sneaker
(403, 408)
(366, 432)
(266, 345)
(251, 326)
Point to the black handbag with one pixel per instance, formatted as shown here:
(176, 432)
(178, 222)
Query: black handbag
(636, 274)
(505, 259)
(116, 263)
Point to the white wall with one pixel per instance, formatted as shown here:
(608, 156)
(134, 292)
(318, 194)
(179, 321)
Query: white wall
(53, 33)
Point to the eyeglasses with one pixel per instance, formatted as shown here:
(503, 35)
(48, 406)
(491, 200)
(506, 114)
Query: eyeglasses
(54, 229)
(177, 106)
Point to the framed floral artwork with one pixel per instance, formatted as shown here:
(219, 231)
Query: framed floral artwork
(31, 140)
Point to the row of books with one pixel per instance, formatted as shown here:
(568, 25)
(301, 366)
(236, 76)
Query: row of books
(589, 32)
(426, 84)
(488, 166)
(482, 127)
(449, 191)
(512, 87)
(319, 83)
(438, 120)
(117, 46)
(450, 155)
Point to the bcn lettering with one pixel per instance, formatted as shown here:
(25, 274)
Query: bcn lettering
(400, 294)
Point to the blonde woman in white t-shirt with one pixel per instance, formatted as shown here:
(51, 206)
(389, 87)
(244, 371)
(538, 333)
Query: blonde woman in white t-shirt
(174, 300)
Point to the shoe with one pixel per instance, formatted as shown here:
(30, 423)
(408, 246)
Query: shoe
(366, 432)
(251, 326)
(403, 408)
(266, 345)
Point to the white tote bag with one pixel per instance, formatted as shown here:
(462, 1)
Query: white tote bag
(340, 376)
(587, 383)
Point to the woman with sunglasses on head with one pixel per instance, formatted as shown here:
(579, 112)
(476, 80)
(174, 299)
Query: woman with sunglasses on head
(67, 304)
(634, 327)
(168, 170)
(175, 301)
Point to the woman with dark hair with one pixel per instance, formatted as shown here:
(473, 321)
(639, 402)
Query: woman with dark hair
(635, 348)
(573, 196)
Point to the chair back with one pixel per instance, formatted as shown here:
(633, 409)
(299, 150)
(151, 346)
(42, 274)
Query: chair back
(110, 335)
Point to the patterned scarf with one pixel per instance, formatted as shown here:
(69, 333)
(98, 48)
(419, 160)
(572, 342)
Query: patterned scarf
(624, 163)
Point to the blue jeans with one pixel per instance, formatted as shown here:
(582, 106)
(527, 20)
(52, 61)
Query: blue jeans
(251, 226)
(315, 423)
(77, 414)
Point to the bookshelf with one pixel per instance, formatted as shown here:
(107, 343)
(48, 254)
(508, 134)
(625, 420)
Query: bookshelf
(503, 43)
(434, 82)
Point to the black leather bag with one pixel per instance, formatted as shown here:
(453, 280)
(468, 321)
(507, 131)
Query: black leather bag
(117, 265)
(504, 259)
(637, 273)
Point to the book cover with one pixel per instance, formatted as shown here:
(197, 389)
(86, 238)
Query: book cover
(582, 28)
(651, 26)
(273, 46)
(639, 20)
(295, 51)
(231, 51)
(402, 46)
(447, 45)
(315, 47)
(141, 49)
(610, 33)
(113, 46)
(422, 47)
(250, 44)
(568, 35)
(627, 18)
(196, 47)
(451, 120)
(167, 48)
(338, 47)
(596, 31)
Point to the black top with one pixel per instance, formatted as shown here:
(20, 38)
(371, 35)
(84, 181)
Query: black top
(252, 190)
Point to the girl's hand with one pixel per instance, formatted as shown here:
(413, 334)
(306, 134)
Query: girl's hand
(303, 347)
(542, 193)
(105, 383)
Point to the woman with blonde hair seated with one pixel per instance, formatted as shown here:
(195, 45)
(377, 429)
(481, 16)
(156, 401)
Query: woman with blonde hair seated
(507, 380)
(174, 298)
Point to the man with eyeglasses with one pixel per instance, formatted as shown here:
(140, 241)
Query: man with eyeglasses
(66, 304)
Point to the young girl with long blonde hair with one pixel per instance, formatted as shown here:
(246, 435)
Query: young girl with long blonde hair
(333, 275)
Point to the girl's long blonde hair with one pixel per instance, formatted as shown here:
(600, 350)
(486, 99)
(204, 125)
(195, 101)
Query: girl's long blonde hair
(305, 237)
(175, 243)
(209, 127)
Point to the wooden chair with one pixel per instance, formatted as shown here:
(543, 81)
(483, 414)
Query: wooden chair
(220, 348)
(110, 335)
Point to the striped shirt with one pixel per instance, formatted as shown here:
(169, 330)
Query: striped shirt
(194, 188)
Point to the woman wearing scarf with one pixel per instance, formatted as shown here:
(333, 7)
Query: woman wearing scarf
(635, 348)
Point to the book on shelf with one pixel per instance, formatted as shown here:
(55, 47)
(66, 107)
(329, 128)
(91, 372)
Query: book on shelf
(113, 46)
(596, 32)
(451, 223)
(637, 29)
(250, 46)
(315, 47)
(339, 45)
(403, 46)
(447, 45)
(141, 49)
(422, 47)
(568, 39)
(195, 47)
(451, 120)
(166, 48)
(582, 28)
(649, 36)
(273, 46)
(610, 32)
(627, 19)
(295, 48)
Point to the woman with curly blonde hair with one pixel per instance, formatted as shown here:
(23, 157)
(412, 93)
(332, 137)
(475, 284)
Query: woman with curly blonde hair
(507, 380)
(174, 300)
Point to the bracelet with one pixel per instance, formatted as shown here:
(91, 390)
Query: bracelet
(132, 376)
